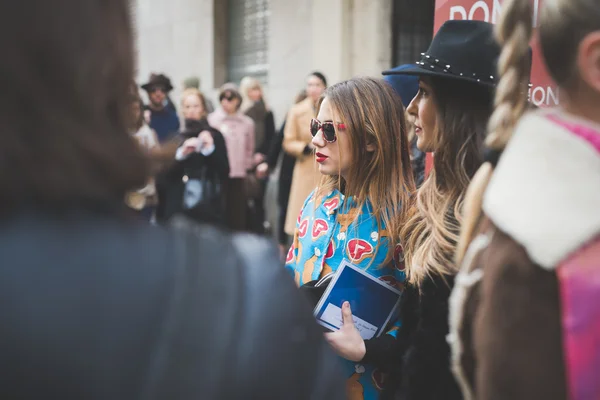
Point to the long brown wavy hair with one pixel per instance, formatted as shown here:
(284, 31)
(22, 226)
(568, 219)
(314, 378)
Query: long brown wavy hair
(373, 115)
(431, 233)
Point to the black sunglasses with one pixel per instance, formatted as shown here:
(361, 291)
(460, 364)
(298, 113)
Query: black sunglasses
(328, 129)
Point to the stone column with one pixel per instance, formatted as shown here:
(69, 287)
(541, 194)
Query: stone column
(290, 52)
(371, 37)
(332, 38)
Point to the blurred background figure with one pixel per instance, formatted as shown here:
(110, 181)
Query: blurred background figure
(193, 82)
(284, 178)
(143, 200)
(407, 87)
(194, 183)
(97, 304)
(163, 116)
(238, 131)
(298, 143)
(255, 107)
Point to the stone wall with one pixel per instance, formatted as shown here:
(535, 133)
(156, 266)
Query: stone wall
(175, 37)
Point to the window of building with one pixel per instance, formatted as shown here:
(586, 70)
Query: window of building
(247, 44)
(412, 27)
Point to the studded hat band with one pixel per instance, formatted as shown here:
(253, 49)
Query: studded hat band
(435, 64)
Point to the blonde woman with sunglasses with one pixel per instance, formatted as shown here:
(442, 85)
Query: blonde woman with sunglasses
(361, 149)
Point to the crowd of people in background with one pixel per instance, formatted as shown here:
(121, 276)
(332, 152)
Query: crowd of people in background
(214, 164)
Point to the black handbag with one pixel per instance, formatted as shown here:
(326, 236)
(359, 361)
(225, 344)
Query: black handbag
(200, 191)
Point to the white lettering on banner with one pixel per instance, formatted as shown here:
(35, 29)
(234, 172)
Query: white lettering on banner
(458, 9)
(493, 15)
(483, 6)
(548, 96)
(555, 96)
(496, 11)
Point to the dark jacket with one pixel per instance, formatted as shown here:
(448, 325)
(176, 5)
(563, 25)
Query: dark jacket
(214, 168)
(164, 122)
(417, 160)
(287, 168)
(264, 127)
(418, 361)
(98, 307)
(286, 171)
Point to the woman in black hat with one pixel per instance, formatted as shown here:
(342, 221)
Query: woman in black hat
(163, 116)
(451, 111)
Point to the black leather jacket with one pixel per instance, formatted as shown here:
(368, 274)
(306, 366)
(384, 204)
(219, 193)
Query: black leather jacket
(96, 307)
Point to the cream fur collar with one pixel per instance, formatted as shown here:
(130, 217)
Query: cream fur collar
(545, 191)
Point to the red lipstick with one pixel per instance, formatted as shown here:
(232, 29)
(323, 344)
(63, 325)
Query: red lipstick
(321, 158)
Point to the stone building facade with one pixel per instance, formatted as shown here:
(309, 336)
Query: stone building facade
(287, 38)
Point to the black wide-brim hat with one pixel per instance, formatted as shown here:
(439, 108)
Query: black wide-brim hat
(158, 80)
(463, 50)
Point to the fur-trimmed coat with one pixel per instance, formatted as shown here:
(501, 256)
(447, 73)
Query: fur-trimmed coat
(525, 312)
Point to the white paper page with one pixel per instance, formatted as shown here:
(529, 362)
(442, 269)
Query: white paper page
(333, 315)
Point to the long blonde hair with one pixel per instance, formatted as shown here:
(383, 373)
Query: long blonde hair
(194, 92)
(513, 32)
(374, 116)
(248, 83)
(430, 235)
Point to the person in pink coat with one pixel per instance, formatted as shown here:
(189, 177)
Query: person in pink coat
(238, 130)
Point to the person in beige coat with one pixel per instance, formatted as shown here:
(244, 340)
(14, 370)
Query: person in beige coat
(297, 142)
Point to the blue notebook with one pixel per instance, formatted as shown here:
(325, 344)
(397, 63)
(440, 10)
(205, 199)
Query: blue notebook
(373, 301)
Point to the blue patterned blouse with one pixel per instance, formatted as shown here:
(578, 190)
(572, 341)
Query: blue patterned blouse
(336, 230)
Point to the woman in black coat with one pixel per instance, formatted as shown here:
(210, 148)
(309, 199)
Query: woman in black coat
(255, 107)
(193, 184)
